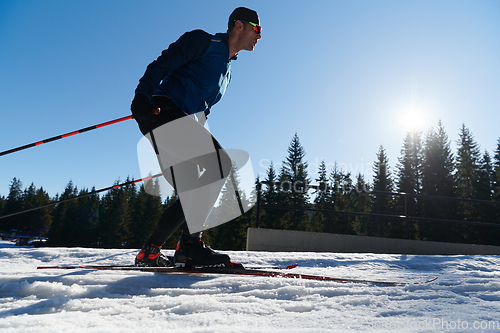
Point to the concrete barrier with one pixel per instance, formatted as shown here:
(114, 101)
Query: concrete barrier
(301, 241)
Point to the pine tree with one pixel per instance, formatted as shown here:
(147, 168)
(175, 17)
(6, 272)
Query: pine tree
(114, 226)
(61, 232)
(283, 198)
(2, 205)
(496, 190)
(381, 203)
(361, 204)
(342, 198)
(27, 224)
(87, 221)
(468, 158)
(294, 176)
(409, 180)
(44, 214)
(485, 212)
(347, 223)
(496, 176)
(439, 164)
(321, 200)
(332, 198)
(437, 180)
(270, 216)
(485, 178)
(13, 204)
(467, 165)
(37, 221)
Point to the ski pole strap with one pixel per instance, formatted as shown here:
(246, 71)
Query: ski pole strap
(86, 129)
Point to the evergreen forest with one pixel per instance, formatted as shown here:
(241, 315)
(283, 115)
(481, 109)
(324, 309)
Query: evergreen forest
(427, 168)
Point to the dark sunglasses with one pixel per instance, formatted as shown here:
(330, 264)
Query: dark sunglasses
(257, 28)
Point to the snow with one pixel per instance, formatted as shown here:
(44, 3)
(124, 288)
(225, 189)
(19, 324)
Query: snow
(466, 296)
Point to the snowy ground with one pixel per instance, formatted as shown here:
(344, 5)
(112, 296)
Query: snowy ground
(466, 297)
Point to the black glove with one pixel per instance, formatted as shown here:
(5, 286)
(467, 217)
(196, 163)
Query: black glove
(142, 109)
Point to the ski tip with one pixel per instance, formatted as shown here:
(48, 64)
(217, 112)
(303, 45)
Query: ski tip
(423, 281)
(430, 280)
(292, 266)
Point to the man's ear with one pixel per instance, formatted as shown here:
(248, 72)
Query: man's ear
(239, 25)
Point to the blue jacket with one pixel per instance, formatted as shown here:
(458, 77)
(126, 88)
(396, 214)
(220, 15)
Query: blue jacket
(193, 72)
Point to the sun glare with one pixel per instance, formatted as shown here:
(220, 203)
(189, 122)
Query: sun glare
(411, 119)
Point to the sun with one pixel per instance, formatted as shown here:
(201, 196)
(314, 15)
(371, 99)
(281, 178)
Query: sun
(412, 118)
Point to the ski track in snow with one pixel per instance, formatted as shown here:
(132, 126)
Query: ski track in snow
(466, 296)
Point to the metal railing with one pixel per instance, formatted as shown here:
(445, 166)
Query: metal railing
(406, 217)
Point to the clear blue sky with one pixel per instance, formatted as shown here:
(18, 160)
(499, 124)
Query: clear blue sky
(343, 75)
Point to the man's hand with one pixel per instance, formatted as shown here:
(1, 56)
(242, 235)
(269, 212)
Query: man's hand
(142, 108)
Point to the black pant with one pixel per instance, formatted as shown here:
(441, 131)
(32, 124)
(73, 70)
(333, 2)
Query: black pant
(171, 219)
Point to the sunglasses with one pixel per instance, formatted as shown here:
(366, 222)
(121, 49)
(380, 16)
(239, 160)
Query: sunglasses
(257, 28)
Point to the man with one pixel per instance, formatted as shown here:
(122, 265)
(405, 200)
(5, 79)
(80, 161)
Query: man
(188, 79)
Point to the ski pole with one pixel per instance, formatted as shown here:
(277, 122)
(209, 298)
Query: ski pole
(86, 129)
(83, 195)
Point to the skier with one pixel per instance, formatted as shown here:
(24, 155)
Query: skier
(187, 79)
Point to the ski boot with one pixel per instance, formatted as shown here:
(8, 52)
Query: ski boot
(150, 256)
(192, 252)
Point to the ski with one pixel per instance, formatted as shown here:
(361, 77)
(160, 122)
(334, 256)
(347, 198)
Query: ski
(236, 270)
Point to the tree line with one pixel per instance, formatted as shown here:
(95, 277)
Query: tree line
(125, 216)
(427, 168)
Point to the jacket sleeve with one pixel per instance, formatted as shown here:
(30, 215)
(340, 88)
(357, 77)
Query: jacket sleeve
(190, 46)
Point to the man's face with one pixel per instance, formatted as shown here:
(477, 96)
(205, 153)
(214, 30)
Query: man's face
(249, 37)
